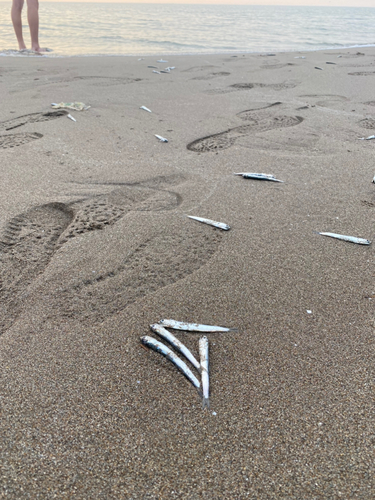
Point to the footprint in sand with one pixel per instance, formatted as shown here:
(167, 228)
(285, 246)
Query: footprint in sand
(257, 121)
(30, 240)
(249, 86)
(31, 118)
(13, 140)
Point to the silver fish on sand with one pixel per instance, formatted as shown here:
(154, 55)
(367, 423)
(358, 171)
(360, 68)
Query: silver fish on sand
(154, 67)
(157, 346)
(164, 71)
(219, 225)
(169, 68)
(157, 72)
(194, 327)
(174, 342)
(317, 67)
(300, 57)
(352, 239)
(71, 117)
(373, 180)
(161, 139)
(146, 109)
(367, 138)
(161, 61)
(203, 353)
(259, 177)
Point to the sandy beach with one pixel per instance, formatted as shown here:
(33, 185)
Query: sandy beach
(95, 245)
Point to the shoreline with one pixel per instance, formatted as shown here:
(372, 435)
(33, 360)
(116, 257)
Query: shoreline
(16, 53)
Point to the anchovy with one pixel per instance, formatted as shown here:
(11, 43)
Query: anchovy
(164, 71)
(173, 358)
(328, 62)
(317, 67)
(169, 68)
(194, 327)
(373, 180)
(352, 239)
(179, 346)
(157, 72)
(300, 57)
(71, 117)
(153, 67)
(161, 139)
(367, 138)
(146, 109)
(219, 225)
(203, 353)
(259, 177)
(161, 61)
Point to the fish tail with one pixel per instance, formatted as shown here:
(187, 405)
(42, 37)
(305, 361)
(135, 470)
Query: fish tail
(205, 403)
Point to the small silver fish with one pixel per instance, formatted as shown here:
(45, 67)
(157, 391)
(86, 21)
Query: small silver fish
(157, 72)
(210, 222)
(259, 177)
(157, 346)
(71, 117)
(194, 327)
(352, 239)
(317, 67)
(300, 57)
(179, 346)
(203, 353)
(153, 67)
(161, 61)
(169, 68)
(367, 138)
(146, 109)
(164, 71)
(373, 180)
(161, 139)
(328, 62)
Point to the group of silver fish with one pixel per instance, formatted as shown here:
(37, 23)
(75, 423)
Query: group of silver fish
(202, 366)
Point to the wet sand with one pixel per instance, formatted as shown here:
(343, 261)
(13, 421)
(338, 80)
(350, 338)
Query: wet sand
(95, 245)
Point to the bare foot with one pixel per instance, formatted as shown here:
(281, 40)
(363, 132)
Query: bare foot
(39, 49)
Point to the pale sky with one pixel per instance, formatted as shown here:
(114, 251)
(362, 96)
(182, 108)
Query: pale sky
(324, 3)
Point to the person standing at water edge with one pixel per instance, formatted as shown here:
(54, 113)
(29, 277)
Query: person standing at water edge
(33, 20)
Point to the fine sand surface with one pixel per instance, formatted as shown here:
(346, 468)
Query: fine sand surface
(95, 245)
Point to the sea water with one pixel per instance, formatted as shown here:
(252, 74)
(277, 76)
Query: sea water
(139, 29)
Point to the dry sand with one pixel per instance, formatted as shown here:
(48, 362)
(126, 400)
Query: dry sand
(95, 245)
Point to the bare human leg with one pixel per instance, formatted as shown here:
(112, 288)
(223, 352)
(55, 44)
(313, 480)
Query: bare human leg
(33, 19)
(17, 22)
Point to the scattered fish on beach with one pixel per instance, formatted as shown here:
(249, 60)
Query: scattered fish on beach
(146, 109)
(154, 67)
(161, 139)
(157, 72)
(173, 358)
(194, 327)
(351, 239)
(328, 62)
(77, 106)
(259, 177)
(219, 225)
(140, 59)
(300, 57)
(367, 138)
(169, 68)
(317, 67)
(161, 61)
(174, 342)
(163, 71)
(203, 353)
